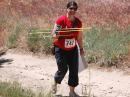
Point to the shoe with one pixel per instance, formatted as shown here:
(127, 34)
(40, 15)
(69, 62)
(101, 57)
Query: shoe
(73, 94)
(54, 88)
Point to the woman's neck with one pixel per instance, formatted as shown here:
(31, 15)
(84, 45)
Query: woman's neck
(70, 17)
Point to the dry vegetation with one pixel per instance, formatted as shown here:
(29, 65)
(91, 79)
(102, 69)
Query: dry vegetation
(43, 13)
(17, 17)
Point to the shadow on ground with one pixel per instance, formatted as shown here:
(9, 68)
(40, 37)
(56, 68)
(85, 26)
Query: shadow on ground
(2, 53)
(3, 60)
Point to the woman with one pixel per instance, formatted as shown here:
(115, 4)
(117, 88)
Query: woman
(67, 36)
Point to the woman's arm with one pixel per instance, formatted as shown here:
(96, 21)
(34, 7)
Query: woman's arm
(55, 30)
(80, 42)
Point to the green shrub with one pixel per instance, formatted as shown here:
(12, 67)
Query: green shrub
(106, 45)
(39, 41)
(14, 35)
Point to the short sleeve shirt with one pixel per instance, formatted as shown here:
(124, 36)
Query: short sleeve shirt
(68, 37)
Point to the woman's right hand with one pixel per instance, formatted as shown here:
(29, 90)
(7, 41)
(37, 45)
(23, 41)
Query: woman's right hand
(54, 35)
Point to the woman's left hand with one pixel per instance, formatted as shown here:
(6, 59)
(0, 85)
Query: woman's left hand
(82, 52)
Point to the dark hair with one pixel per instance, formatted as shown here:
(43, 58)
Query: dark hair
(72, 3)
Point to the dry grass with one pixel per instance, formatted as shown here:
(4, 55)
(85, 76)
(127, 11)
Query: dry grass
(42, 14)
(92, 12)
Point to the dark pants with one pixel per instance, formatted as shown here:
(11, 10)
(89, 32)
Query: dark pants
(67, 60)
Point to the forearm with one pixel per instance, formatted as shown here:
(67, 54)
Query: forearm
(80, 40)
(56, 29)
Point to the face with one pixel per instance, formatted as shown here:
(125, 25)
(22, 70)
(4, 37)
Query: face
(71, 10)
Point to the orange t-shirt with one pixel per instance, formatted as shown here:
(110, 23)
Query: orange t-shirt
(69, 38)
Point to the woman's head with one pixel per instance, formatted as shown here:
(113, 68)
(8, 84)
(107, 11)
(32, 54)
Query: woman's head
(72, 5)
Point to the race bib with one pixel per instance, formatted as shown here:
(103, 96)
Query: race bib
(69, 43)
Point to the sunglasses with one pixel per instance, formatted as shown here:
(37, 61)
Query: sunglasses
(73, 8)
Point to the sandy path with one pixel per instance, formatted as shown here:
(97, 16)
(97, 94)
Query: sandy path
(37, 74)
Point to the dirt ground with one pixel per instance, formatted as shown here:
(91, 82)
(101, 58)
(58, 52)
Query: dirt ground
(37, 73)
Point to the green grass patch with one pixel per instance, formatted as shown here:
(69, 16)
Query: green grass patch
(8, 89)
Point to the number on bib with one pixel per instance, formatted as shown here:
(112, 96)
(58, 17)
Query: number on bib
(69, 43)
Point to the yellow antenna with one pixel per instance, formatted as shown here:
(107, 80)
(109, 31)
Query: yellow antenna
(64, 30)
